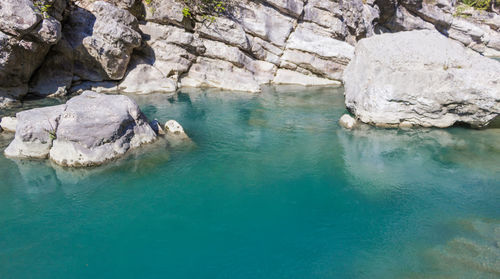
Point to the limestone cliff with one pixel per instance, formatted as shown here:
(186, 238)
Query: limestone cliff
(144, 46)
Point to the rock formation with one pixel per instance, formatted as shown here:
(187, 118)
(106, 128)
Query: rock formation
(8, 124)
(26, 34)
(89, 129)
(175, 133)
(136, 46)
(347, 121)
(421, 78)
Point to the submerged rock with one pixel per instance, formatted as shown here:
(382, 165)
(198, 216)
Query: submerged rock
(88, 130)
(473, 253)
(175, 133)
(421, 78)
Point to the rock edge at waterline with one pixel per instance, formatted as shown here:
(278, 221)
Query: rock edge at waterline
(88, 130)
(421, 78)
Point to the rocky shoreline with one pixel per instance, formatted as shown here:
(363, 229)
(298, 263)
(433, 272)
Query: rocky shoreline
(89, 130)
(149, 46)
(402, 63)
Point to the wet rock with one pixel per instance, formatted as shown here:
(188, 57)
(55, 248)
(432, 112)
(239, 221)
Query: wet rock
(421, 78)
(175, 133)
(155, 124)
(347, 121)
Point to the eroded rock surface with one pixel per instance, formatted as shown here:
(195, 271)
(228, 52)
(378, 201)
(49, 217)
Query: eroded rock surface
(89, 129)
(8, 124)
(150, 46)
(421, 78)
(26, 34)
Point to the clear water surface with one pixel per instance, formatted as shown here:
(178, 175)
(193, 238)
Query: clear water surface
(272, 188)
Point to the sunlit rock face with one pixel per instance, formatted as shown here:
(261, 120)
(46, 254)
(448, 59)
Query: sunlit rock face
(89, 129)
(255, 44)
(421, 78)
(150, 46)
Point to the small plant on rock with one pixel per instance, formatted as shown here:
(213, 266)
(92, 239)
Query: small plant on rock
(42, 8)
(51, 131)
(206, 9)
(478, 4)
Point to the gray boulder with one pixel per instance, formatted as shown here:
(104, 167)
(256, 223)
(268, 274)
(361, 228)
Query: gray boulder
(88, 130)
(55, 75)
(26, 35)
(103, 39)
(478, 30)
(175, 134)
(35, 131)
(421, 78)
(19, 17)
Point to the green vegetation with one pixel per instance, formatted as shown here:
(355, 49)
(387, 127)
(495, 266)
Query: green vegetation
(51, 131)
(206, 9)
(42, 8)
(465, 6)
(477, 4)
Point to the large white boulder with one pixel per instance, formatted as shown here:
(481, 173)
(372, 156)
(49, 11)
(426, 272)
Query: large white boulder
(421, 78)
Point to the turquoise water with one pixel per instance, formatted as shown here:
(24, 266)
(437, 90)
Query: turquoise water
(272, 188)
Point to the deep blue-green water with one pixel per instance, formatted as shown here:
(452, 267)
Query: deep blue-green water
(272, 188)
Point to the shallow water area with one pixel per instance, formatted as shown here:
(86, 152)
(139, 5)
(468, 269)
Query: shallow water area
(272, 188)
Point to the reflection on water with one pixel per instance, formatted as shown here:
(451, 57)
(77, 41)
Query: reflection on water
(272, 188)
(387, 159)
